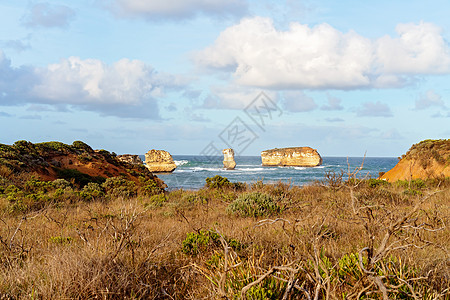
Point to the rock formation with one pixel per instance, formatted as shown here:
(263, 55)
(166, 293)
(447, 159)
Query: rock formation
(427, 159)
(159, 161)
(228, 159)
(293, 157)
(131, 159)
(53, 160)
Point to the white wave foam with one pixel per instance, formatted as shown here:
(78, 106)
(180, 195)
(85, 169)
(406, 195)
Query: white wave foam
(180, 162)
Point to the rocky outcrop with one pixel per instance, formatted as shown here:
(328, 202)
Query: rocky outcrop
(131, 159)
(292, 157)
(425, 160)
(78, 162)
(159, 161)
(228, 159)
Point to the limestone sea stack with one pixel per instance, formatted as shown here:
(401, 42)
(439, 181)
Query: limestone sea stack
(130, 158)
(228, 159)
(424, 160)
(291, 157)
(159, 161)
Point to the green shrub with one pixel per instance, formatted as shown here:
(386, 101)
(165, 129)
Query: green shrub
(197, 242)
(91, 191)
(253, 205)
(119, 187)
(78, 177)
(217, 182)
(149, 187)
(376, 182)
(157, 200)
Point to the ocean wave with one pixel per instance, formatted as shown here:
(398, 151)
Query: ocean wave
(180, 162)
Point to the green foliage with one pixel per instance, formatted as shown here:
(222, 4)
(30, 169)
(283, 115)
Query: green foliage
(253, 205)
(158, 200)
(79, 145)
(376, 182)
(217, 182)
(119, 187)
(201, 241)
(195, 199)
(61, 240)
(78, 177)
(91, 191)
(149, 187)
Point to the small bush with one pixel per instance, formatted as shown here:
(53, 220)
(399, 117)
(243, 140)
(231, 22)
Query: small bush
(376, 182)
(199, 242)
(217, 182)
(254, 205)
(91, 191)
(157, 200)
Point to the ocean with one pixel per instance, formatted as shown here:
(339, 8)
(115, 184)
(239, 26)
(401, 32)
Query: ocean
(192, 171)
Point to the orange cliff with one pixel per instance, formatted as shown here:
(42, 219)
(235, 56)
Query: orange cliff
(425, 160)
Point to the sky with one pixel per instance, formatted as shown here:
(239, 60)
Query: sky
(197, 76)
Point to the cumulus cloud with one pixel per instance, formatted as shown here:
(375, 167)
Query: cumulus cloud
(234, 97)
(176, 9)
(333, 104)
(298, 101)
(429, 99)
(49, 15)
(322, 57)
(126, 88)
(374, 109)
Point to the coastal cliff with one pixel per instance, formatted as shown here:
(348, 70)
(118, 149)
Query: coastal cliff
(424, 160)
(52, 160)
(292, 157)
(159, 161)
(130, 158)
(228, 159)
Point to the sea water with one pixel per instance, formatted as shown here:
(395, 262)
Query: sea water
(192, 171)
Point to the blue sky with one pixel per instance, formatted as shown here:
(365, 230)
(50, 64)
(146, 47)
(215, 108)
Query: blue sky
(128, 76)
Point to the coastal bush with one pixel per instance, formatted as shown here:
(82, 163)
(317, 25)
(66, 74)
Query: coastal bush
(92, 191)
(149, 187)
(79, 178)
(254, 205)
(376, 182)
(157, 200)
(119, 187)
(196, 242)
(217, 182)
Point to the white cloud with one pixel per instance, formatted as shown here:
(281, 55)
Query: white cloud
(321, 57)
(177, 9)
(429, 99)
(333, 104)
(234, 97)
(49, 15)
(298, 101)
(127, 88)
(374, 109)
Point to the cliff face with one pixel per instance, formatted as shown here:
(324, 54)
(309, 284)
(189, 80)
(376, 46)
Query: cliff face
(53, 160)
(228, 159)
(159, 161)
(294, 156)
(427, 159)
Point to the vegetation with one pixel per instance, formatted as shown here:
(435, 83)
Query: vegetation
(428, 150)
(121, 239)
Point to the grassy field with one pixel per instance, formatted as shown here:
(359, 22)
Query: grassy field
(335, 239)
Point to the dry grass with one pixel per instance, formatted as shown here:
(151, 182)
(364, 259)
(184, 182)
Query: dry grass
(133, 248)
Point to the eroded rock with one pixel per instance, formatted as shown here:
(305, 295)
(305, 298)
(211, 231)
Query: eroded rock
(159, 161)
(130, 158)
(228, 159)
(292, 157)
